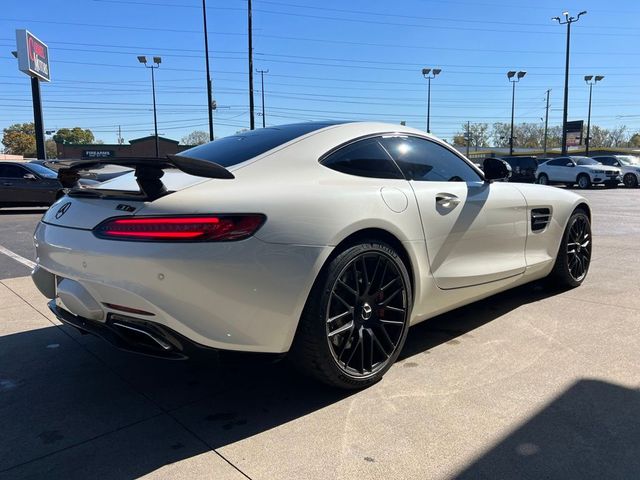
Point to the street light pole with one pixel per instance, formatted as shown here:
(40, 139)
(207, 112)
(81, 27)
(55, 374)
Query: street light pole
(567, 21)
(157, 60)
(546, 124)
(514, 77)
(252, 120)
(262, 72)
(591, 81)
(429, 74)
(206, 54)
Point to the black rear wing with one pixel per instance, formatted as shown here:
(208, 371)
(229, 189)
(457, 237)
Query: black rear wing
(148, 171)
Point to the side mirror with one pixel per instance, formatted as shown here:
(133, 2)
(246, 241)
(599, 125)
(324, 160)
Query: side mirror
(496, 169)
(30, 176)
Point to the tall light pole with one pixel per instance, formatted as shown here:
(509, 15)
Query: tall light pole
(546, 124)
(591, 81)
(429, 74)
(252, 120)
(567, 21)
(514, 77)
(206, 55)
(157, 60)
(262, 72)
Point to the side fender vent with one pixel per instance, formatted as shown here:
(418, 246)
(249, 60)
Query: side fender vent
(540, 218)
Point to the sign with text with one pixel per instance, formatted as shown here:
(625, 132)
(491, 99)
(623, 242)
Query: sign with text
(98, 154)
(574, 133)
(33, 55)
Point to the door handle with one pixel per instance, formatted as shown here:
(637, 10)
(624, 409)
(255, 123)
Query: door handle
(447, 200)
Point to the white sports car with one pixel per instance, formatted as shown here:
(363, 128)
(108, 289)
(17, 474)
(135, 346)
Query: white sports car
(323, 240)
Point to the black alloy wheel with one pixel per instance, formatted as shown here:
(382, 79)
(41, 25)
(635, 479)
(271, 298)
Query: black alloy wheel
(579, 247)
(574, 256)
(630, 180)
(356, 318)
(367, 314)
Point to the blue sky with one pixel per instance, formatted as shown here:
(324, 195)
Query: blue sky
(330, 59)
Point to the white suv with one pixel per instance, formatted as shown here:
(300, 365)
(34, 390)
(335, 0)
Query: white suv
(584, 171)
(629, 165)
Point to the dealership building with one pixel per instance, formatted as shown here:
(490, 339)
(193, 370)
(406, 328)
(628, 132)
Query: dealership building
(138, 147)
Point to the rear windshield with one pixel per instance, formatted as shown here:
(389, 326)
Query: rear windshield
(235, 149)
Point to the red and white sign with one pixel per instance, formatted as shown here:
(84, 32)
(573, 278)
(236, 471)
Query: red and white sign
(33, 55)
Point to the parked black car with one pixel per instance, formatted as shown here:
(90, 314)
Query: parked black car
(523, 169)
(30, 185)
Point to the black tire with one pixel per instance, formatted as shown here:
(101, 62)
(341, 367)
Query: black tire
(583, 181)
(543, 179)
(630, 180)
(576, 246)
(323, 331)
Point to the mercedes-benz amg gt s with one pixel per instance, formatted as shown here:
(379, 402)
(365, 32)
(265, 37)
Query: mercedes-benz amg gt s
(323, 240)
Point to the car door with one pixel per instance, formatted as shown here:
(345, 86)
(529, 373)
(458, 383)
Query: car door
(566, 169)
(475, 231)
(13, 184)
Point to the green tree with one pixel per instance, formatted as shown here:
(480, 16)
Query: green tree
(20, 139)
(479, 133)
(197, 137)
(634, 141)
(75, 135)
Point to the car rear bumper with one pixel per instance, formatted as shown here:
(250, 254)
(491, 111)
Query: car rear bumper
(246, 295)
(133, 335)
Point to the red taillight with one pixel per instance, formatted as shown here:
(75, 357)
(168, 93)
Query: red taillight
(214, 228)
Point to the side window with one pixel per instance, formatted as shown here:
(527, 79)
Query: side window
(364, 158)
(12, 171)
(421, 159)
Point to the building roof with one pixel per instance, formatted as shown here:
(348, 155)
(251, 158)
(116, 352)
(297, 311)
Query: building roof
(151, 137)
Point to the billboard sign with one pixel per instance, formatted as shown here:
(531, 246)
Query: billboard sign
(33, 56)
(574, 133)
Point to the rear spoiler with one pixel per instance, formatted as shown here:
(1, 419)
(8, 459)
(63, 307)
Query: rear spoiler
(148, 171)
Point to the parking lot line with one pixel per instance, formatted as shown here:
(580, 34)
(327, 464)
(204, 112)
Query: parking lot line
(17, 258)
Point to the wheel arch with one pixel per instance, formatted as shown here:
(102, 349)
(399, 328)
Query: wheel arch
(383, 235)
(583, 206)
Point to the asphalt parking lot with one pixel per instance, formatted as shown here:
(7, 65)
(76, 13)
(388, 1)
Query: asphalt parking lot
(531, 383)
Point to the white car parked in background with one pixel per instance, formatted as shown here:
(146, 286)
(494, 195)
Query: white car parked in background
(629, 165)
(584, 171)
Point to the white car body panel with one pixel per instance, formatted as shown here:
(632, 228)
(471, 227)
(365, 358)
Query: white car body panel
(249, 295)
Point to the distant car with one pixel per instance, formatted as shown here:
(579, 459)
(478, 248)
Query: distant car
(628, 164)
(101, 173)
(523, 169)
(31, 185)
(584, 171)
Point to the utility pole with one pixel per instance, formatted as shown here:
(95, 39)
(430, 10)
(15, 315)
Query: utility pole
(546, 124)
(252, 120)
(591, 81)
(568, 21)
(468, 137)
(206, 54)
(120, 139)
(262, 72)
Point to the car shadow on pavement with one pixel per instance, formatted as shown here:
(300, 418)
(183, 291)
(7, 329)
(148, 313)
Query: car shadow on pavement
(73, 406)
(446, 327)
(590, 431)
